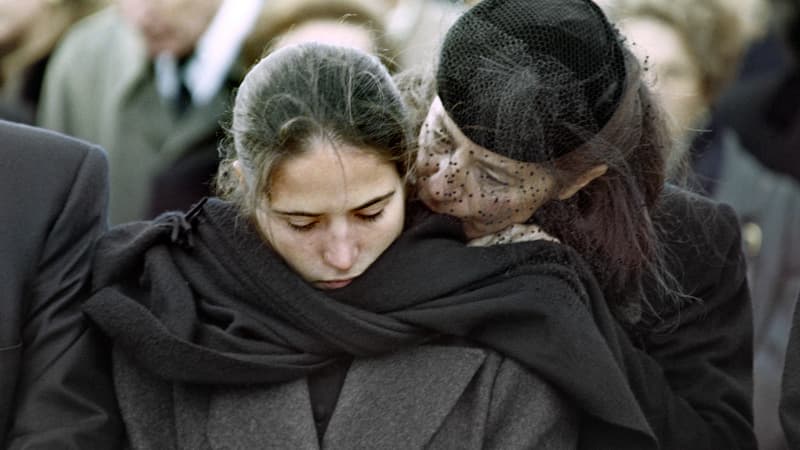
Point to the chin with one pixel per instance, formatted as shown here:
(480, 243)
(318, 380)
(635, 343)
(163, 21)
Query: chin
(431, 204)
(475, 230)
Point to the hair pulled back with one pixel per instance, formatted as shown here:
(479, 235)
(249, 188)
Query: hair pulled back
(298, 95)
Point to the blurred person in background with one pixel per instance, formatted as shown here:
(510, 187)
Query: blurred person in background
(418, 28)
(150, 80)
(29, 30)
(351, 23)
(690, 50)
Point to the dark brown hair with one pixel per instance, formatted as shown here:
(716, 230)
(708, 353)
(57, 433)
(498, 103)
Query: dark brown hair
(303, 93)
(609, 220)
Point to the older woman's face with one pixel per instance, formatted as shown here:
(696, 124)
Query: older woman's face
(332, 211)
(171, 26)
(487, 191)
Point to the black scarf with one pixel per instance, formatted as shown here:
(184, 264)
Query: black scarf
(199, 298)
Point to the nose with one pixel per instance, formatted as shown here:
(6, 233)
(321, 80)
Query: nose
(442, 176)
(341, 249)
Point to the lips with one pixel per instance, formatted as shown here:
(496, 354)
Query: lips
(333, 284)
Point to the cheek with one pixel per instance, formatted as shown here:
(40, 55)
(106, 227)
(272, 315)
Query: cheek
(300, 256)
(427, 162)
(297, 249)
(379, 235)
(506, 207)
(498, 208)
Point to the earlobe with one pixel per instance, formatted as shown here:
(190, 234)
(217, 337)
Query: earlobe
(237, 169)
(582, 180)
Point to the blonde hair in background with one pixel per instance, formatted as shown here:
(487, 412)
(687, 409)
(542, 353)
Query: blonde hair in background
(43, 35)
(281, 16)
(711, 30)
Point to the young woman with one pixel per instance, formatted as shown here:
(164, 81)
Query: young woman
(268, 321)
(541, 118)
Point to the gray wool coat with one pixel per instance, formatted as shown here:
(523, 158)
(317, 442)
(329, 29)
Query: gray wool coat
(426, 397)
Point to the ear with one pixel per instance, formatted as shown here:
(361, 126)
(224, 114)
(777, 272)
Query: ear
(581, 181)
(237, 169)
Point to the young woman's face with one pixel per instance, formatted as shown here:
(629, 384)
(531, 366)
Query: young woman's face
(332, 211)
(487, 191)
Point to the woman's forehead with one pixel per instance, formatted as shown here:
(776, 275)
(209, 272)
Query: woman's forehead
(326, 178)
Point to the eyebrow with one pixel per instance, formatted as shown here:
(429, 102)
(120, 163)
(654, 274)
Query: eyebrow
(364, 205)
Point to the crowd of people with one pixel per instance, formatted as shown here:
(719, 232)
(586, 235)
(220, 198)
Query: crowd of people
(399, 224)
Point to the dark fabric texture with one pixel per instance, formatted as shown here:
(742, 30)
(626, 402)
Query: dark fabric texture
(324, 387)
(55, 383)
(218, 307)
(425, 397)
(186, 180)
(532, 83)
(790, 389)
(227, 310)
(692, 371)
(765, 115)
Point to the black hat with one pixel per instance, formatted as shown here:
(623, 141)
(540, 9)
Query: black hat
(531, 79)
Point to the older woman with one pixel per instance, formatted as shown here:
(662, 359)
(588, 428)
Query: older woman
(542, 126)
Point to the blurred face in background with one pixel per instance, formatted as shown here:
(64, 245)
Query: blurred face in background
(15, 18)
(672, 72)
(333, 32)
(171, 26)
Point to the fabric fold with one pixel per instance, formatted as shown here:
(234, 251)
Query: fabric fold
(228, 310)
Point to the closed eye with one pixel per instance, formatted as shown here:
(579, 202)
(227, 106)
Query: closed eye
(492, 178)
(301, 227)
(371, 217)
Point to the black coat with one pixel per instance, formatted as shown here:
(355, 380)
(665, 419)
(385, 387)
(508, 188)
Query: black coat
(55, 387)
(693, 373)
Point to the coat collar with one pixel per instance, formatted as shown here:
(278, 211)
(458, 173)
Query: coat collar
(398, 398)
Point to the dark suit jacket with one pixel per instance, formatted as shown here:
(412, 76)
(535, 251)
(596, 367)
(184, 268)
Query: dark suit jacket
(55, 387)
